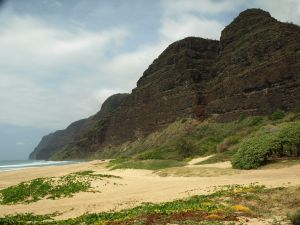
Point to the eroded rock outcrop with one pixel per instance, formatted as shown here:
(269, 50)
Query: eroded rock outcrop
(254, 69)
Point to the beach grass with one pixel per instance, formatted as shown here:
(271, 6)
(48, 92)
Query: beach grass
(150, 164)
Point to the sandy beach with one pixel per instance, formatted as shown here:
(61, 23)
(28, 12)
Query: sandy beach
(137, 186)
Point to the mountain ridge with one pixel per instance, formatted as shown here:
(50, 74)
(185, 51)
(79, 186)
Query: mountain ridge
(252, 70)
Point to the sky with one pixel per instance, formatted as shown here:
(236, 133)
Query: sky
(60, 59)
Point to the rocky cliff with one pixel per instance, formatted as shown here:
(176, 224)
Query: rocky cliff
(64, 143)
(254, 69)
(257, 69)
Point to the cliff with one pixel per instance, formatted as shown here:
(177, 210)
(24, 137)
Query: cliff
(66, 141)
(252, 70)
(257, 69)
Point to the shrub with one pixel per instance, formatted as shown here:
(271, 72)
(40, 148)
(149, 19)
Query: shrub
(277, 115)
(255, 120)
(227, 143)
(289, 136)
(255, 151)
(185, 147)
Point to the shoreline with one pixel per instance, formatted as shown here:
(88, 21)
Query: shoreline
(32, 164)
(135, 187)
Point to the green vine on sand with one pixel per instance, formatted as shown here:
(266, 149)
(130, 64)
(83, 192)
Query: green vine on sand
(50, 188)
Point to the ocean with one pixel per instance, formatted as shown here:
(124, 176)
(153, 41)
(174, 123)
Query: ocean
(7, 165)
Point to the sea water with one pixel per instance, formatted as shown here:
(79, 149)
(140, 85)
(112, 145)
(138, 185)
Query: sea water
(6, 165)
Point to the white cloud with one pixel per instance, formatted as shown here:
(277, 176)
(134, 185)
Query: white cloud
(204, 6)
(51, 76)
(189, 25)
(197, 18)
(25, 102)
(285, 11)
(47, 74)
(125, 69)
(103, 94)
(26, 41)
(191, 18)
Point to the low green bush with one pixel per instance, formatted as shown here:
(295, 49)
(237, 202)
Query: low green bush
(209, 145)
(255, 120)
(277, 115)
(228, 143)
(283, 140)
(289, 136)
(185, 147)
(254, 152)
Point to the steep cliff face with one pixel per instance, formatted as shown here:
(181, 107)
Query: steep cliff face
(254, 69)
(58, 140)
(257, 69)
(66, 141)
(169, 89)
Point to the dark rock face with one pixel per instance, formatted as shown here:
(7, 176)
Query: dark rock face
(58, 140)
(110, 105)
(254, 69)
(257, 70)
(69, 138)
(168, 89)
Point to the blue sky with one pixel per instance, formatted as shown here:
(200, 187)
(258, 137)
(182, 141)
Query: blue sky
(60, 59)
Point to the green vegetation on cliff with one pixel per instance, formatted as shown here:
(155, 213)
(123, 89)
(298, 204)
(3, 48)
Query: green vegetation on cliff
(249, 141)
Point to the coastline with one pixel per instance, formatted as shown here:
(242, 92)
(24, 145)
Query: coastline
(135, 187)
(13, 165)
